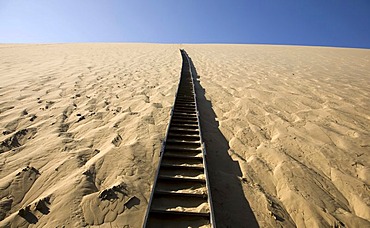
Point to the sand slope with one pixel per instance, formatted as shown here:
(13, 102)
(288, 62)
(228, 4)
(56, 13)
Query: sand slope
(81, 127)
(297, 120)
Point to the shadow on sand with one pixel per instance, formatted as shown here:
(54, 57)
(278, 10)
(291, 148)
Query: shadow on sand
(231, 208)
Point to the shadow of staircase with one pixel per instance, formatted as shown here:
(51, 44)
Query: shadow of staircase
(231, 208)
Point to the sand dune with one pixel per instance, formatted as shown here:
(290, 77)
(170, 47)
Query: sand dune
(81, 128)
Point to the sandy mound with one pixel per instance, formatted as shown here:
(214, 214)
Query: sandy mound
(287, 132)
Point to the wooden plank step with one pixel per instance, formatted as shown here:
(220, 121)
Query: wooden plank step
(180, 167)
(187, 116)
(184, 102)
(184, 126)
(177, 140)
(181, 128)
(182, 99)
(181, 186)
(185, 94)
(182, 143)
(184, 115)
(181, 149)
(184, 105)
(187, 152)
(184, 157)
(185, 112)
(180, 194)
(172, 202)
(179, 153)
(191, 121)
(180, 179)
(188, 137)
(187, 173)
(181, 213)
(190, 163)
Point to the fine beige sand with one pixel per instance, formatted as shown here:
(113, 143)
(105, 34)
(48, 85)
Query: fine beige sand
(287, 131)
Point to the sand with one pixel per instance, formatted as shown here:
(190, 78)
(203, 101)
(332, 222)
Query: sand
(287, 132)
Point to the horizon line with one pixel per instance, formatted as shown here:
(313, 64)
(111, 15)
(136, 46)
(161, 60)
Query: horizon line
(188, 43)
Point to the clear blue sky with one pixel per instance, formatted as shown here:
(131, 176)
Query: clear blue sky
(344, 23)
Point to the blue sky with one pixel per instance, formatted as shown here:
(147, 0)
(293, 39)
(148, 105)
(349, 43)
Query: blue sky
(343, 23)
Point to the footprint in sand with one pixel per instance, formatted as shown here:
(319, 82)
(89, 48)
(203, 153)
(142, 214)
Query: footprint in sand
(157, 105)
(353, 134)
(33, 117)
(117, 140)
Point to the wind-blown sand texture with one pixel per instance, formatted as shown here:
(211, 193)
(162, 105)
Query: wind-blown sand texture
(81, 128)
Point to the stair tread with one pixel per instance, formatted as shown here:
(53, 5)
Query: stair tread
(180, 140)
(181, 167)
(182, 156)
(171, 178)
(184, 213)
(180, 194)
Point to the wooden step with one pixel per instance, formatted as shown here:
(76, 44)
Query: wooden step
(180, 179)
(180, 130)
(179, 213)
(181, 157)
(182, 144)
(179, 167)
(180, 194)
(187, 137)
(184, 126)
